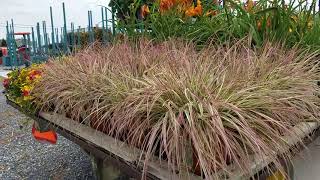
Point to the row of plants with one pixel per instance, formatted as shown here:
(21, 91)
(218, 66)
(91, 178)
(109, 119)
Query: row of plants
(82, 38)
(196, 110)
(292, 22)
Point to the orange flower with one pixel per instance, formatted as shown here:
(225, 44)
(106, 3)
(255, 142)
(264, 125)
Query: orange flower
(34, 74)
(190, 12)
(269, 22)
(194, 11)
(185, 2)
(166, 4)
(259, 25)
(211, 13)
(198, 10)
(144, 10)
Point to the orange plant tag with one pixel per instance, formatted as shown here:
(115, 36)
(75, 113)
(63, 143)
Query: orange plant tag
(49, 136)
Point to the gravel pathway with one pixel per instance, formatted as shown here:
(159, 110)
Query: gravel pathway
(21, 157)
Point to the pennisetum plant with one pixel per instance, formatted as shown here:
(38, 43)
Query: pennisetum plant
(197, 111)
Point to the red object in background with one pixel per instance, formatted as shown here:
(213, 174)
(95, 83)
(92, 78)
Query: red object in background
(4, 51)
(22, 33)
(23, 52)
(49, 136)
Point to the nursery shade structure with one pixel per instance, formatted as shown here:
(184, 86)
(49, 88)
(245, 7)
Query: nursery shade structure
(27, 13)
(47, 41)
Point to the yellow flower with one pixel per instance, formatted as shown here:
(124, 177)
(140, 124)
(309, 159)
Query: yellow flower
(26, 90)
(290, 30)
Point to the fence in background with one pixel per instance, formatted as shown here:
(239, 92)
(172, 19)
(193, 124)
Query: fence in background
(38, 45)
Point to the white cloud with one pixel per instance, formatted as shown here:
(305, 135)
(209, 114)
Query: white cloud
(28, 12)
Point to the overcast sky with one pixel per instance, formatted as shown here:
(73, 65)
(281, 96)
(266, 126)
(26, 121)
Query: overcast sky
(26, 13)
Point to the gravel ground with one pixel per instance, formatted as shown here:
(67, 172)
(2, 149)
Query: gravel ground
(21, 157)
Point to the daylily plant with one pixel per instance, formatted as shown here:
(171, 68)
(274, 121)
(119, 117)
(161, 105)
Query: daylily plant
(202, 21)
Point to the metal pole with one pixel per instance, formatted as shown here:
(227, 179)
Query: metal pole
(39, 38)
(107, 30)
(36, 43)
(12, 26)
(9, 45)
(89, 29)
(91, 34)
(47, 43)
(65, 29)
(48, 40)
(13, 46)
(34, 47)
(92, 28)
(113, 23)
(45, 37)
(103, 27)
(29, 49)
(72, 36)
(52, 33)
(62, 37)
(57, 39)
(26, 50)
(79, 40)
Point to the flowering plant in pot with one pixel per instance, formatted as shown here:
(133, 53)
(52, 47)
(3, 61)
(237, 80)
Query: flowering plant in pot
(19, 86)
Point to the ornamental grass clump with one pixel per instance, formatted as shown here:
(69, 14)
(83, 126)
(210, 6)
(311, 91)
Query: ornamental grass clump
(197, 111)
